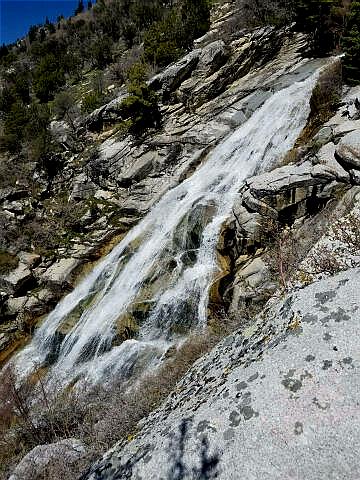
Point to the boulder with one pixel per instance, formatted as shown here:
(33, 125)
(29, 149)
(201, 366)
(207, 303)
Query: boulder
(17, 280)
(30, 259)
(60, 273)
(348, 150)
(54, 457)
(278, 400)
(82, 188)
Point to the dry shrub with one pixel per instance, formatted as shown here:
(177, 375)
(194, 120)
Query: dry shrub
(125, 410)
(284, 255)
(98, 417)
(339, 249)
(324, 100)
(119, 70)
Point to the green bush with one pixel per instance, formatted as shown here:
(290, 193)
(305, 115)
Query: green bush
(91, 102)
(15, 125)
(322, 19)
(49, 77)
(141, 108)
(167, 39)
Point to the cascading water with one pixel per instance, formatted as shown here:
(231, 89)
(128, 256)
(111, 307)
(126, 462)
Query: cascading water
(161, 272)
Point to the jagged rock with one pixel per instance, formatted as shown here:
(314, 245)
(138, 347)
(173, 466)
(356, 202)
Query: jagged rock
(30, 259)
(212, 57)
(61, 132)
(110, 113)
(15, 305)
(274, 401)
(60, 273)
(17, 280)
(57, 457)
(173, 76)
(348, 150)
(326, 158)
(254, 272)
(82, 188)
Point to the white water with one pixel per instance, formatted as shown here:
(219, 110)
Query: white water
(163, 244)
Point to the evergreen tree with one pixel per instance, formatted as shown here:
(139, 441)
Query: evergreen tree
(351, 44)
(89, 5)
(48, 78)
(33, 33)
(319, 18)
(194, 21)
(79, 8)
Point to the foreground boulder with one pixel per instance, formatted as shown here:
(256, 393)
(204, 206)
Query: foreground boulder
(278, 401)
(53, 460)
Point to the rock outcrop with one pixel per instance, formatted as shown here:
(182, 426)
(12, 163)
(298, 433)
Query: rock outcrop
(278, 400)
(121, 179)
(60, 456)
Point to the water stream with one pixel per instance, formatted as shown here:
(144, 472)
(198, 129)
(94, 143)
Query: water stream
(156, 281)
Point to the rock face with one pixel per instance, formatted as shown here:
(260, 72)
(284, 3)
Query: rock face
(64, 453)
(277, 401)
(348, 150)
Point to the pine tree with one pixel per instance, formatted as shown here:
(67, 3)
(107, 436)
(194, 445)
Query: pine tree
(89, 5)
(351, 45)
(318, 17)
(79, 8)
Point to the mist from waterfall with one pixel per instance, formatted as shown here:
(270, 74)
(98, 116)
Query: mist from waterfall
(161, 272)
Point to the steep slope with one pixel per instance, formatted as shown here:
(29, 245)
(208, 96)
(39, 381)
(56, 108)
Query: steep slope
(277, 401)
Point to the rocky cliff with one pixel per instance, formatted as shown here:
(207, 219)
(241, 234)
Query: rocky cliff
(117, 182)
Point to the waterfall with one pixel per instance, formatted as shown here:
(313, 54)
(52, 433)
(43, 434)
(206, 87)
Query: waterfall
(156, 281)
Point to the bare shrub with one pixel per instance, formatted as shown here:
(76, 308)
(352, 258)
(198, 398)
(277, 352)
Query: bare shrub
(31, 414)
(339, 249)
(125, 410)
(284, 255)
(119, 70)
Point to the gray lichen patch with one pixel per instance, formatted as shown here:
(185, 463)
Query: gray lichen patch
(234, 418)
(310, 318)
(310, 358)
(347, 362)
(324, 297)
(253, 377)
(292, 384)
(248, 412)
(241, 386)
(326, 364)
(316, 402)
(298, 429)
